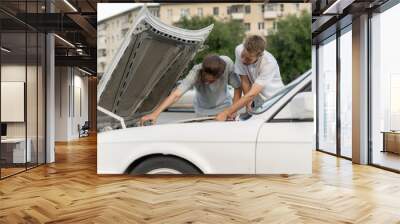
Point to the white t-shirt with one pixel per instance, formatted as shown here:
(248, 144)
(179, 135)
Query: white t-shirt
(265, 72)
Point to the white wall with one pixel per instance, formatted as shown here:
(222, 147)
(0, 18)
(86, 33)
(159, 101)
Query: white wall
(70, 84)
(61, 103)
(17, 73)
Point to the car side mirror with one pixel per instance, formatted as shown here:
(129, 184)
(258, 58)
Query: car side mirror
(302, 106)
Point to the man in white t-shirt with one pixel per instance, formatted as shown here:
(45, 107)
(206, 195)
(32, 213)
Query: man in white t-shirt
(259, 74)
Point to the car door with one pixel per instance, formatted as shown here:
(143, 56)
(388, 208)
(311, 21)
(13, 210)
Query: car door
(284, 142)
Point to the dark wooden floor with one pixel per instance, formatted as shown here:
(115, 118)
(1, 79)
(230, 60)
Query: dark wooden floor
(70, 191)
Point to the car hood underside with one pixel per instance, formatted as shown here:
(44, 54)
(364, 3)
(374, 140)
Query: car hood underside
(151, 59)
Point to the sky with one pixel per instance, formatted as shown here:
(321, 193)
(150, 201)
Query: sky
(105, 10)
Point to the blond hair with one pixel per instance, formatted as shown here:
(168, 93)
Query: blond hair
(254, 44)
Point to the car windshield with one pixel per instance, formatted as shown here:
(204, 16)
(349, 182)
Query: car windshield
(281, 93)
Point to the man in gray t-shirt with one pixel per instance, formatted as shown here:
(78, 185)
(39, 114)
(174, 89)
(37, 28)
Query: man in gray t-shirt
(210, 80)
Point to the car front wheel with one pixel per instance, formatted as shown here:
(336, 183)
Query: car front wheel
(164, 165)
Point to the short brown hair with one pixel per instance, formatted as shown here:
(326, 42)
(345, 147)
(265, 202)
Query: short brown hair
(212, 65)
(254, 44)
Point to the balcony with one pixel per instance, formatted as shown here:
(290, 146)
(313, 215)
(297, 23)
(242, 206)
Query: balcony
(237, 15)
(175, 18)
(272, 14)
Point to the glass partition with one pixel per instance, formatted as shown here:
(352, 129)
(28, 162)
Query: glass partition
(327, 96)
(346, 94)
(14, 144)
(385, 89)
(22, 77)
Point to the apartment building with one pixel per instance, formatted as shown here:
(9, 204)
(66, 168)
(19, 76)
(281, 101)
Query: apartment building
(258, 18)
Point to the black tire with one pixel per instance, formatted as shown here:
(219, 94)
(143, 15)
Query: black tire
(164, 162)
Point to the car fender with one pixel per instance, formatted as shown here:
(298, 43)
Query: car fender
(169, 148)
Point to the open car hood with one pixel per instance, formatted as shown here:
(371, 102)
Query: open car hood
(150, 60)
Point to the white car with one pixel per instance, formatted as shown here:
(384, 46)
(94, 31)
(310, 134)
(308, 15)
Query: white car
(275, 138)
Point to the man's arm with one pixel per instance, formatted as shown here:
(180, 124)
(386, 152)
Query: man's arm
(245, 83)
(243, 101)
(237, 94)
(187, 83)
(172, 98)
(246, 88)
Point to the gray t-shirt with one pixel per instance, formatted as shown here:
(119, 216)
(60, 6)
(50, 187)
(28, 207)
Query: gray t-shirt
(210, 99)
(264, 72)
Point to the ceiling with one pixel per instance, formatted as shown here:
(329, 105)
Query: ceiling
(74, 22)
(328, 16)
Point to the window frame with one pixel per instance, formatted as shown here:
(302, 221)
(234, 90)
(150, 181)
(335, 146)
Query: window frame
(247, 9)
(247, 28)
(216, 11)
(262, 26)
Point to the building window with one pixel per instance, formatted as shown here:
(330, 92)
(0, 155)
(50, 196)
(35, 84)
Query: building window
(262, 7)
(282, 7)
(169, 13)
(200, 12)
(234, 9)
(185, 12)
(261, 25)
(157, 13)
(125, 19)
(270, 7)
(124, 31)
(247, 9)
(297, 6)
(103, 66)
(274, 26)
(247, 26)
(102, 52)
(228, 10)
(215, 11)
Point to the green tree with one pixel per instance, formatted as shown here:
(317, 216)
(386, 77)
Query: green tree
(291, 45)
(222, 40)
